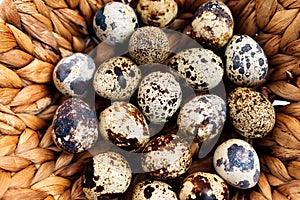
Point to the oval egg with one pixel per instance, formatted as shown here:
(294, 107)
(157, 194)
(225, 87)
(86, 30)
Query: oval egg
(237, 163)
(125, 126)
(246, 62)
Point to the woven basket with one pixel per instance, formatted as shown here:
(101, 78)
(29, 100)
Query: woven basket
(36, 34)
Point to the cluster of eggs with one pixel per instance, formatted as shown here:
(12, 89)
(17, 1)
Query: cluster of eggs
(159, 95)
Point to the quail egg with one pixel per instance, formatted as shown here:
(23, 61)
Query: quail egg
(106, 176)
(157, 12)
(212, 24)
(250, 112)
(117, 78)
(153, 190)
(246, 62)
(202, 117)
(115, 22)
(159, 96)
(166, 157)
(75, 126)
(73, 75)
(202, 69)
(149, 45)
(237, 163)
(202, 185)
(125, 126)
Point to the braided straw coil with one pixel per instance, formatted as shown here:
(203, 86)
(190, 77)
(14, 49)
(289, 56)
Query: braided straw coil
(36, 34)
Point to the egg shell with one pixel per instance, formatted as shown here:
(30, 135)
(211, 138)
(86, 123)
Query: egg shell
(73, 75)
(237, 163)
(115, 22)
(212, 24)
(202, 68)
(157, 12)
(106, 176)
(166, 157)
(159, 96)
(75, 126)
(153, 190)
(149, 45)
(246, 62)
(125, 126)
(117, 78)
(202, 185)
(250, 112)
(202, 118)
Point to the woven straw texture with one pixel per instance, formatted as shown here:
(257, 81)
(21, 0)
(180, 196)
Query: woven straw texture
(36, 34)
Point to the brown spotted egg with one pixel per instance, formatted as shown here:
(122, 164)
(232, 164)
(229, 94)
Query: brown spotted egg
(202, 118)
(250, 112)
(202, 185)
(237, 163)
(115, 22)
(166, 157)
(212, 24)
(125, 126)
(246, 62)
(157, 12)
(149, 45)
(73, 74)
(153, 190)
(75, 126)
(106, 176)
(117, 78)
(202, 69)
(159, 96)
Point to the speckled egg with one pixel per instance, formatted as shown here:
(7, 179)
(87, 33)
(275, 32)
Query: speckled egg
(237, 163)
(212, 24)
(115, 22)
(117, 78)
(166, 157)
(202, 185)
(157, 12)
(153, 190)
(246, 62)
(149, 45)
(106, 176)
(159, 96)
(202, 69)
(73, 75)
(125, 126)
(202, 117)
(250, 112)
(75, 126)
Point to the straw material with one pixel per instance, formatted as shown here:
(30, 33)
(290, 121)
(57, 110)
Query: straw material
(36, 34)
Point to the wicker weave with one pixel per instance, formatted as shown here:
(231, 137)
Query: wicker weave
(36, 34)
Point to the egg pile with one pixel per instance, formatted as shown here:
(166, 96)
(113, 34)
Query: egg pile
(146, 89)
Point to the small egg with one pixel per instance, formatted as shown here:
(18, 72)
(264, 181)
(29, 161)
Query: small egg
(202, 69)
(202, 185)
(250, 112)
(106, 176)
(237, 163)
(115, 22)
(75, 126)
(73, 75)
(212, 24)
(117, 78)
(246, 62)
(159, 96)
(125, 126)
(153, 190)
(202, 117)
(149, 45)
(166, 157)
(157, 12)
